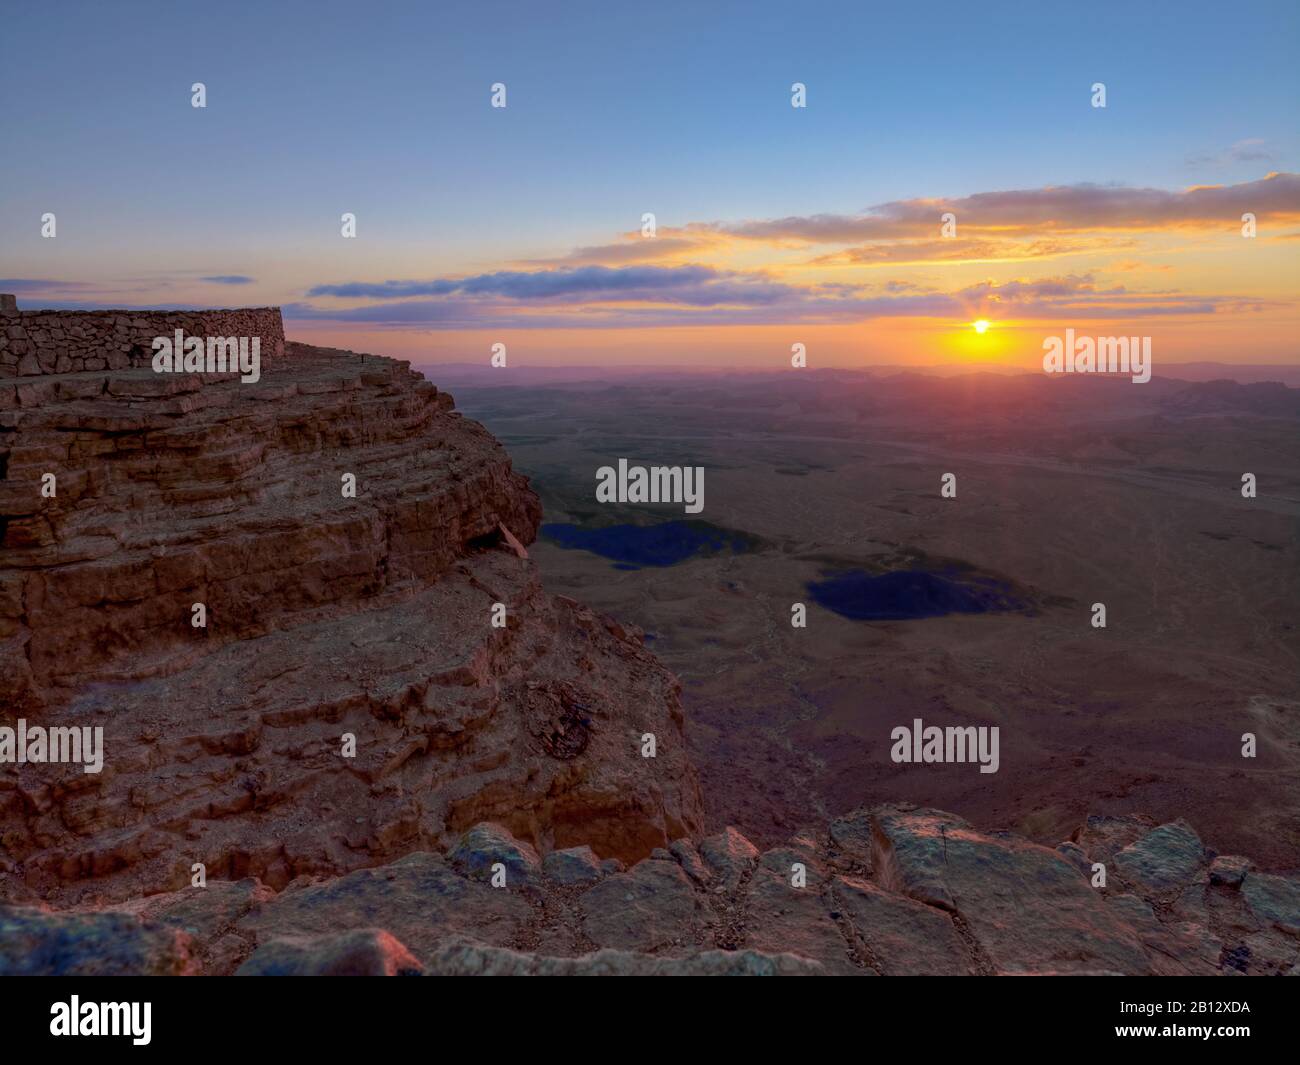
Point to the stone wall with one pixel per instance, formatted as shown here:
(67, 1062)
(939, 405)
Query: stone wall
(54, 342)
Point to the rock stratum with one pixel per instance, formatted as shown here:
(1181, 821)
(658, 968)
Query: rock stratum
(496, 814)
(327, 616)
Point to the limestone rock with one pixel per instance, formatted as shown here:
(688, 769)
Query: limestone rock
(418, 899)
(899, 936)
(1185, 948)
(1166, 857)
(1102, 837)
(729, 857)
(853, 835)
(1074, 854)
(1274, 900)
(942, 898)
(488, 845)
(471, 959)
(690, 861)
(331, 620)
(362, 952)
(651, 907)
(1027, 908)
(783, 918)
(1229, 870)
(35, 942)
(573, 865)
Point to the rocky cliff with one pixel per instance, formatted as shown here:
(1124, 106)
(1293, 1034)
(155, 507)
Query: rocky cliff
(380, 746)
(346, 535)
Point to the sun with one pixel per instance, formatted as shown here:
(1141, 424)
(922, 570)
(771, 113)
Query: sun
(981, 326)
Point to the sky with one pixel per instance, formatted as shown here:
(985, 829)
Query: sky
(773, 224)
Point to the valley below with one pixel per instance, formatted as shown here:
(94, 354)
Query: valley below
(1067, 495)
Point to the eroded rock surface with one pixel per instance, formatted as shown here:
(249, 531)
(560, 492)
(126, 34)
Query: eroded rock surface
(996, 905)
(331, 620)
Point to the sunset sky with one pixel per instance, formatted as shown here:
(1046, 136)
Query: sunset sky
(775, 225)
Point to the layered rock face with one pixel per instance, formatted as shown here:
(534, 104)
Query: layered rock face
(176, 489)
(348, 697)
(890, 891)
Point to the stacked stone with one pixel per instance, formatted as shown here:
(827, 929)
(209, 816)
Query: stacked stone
(59, 342)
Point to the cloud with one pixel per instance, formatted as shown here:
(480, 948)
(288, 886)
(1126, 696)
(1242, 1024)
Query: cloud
(624, 290)
(20, 285)
(1131, 265)
(699, 285)
(229, 279)
(1250, 150)
(633, 297)
(118, 305)
(953, 250)
(1034, 212)
(684, 242)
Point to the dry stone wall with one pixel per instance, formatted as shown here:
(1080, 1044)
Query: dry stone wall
(39, 342)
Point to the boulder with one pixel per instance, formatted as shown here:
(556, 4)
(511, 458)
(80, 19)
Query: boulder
(780, 916)
(729, 857)
(1026, 907)
(1167, 857)
(1229, 870)
(36, 942)
(651, 907)
(900, 937)
(574, 865)
(485, 846)
(1274, 900)
(361, 952)
(418, 899)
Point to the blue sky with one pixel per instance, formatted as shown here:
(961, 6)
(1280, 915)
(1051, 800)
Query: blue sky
(382, 109)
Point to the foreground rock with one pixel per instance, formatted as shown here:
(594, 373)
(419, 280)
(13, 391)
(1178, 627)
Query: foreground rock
(365, 952)
(890, 891)
(1027, 909)
(35, 942)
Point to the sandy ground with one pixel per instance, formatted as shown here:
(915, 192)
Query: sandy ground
(1109, 499)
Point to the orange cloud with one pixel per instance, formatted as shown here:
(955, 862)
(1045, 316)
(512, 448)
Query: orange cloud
(1055, 209)
(939, 250)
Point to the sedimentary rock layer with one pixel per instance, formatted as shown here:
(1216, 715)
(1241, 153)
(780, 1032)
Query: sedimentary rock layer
(171, 490)
(331, 620)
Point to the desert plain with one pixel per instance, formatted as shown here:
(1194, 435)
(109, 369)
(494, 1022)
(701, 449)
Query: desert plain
(1070, 492)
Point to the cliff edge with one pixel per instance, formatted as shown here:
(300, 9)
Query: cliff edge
(293, 608)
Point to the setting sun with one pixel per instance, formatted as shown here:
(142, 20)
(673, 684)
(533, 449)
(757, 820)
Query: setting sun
(981, 326)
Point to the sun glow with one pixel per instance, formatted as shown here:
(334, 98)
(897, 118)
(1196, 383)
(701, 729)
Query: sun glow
(982, 326)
